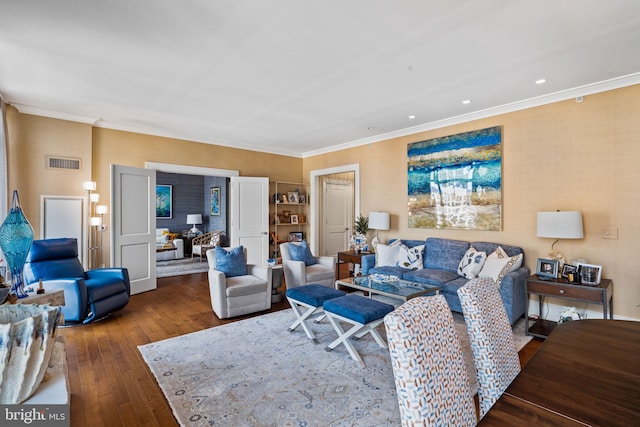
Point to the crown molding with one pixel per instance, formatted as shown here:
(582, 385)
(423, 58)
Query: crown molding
(590, 89)
(44, 112)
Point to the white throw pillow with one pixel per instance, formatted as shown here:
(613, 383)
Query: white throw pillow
(471, 263)
(387, 255)
(410, 258)
(498, 264)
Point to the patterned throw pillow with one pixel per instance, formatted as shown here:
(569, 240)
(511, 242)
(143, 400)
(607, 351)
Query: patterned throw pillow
(231, 262)
(498, 264)
(471, 263)
(302, 252)
(387, 255)
(410, 258)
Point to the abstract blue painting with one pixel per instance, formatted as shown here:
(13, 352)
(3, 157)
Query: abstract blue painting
(164, 205)
(455, 182)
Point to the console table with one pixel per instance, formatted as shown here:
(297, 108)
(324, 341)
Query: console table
(560, 288)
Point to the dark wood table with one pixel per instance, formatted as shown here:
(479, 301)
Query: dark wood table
(352, 257)
(586, 373)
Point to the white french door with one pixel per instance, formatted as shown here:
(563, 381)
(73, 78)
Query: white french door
(249, 216)
(133, 205)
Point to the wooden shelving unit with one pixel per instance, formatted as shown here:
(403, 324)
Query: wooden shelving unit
(289, 203)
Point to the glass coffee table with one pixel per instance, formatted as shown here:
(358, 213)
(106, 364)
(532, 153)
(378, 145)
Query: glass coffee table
(389, 286)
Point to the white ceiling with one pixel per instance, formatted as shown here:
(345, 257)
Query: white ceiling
(303, 77)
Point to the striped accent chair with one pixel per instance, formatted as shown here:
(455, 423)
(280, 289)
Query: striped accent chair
(428, 364)
(494, 350)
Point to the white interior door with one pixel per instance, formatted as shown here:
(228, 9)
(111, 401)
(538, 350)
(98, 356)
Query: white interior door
(249, 216)
(133, 205)
(337, 212)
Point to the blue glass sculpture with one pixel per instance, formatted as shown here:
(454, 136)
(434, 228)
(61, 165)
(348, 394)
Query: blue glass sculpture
(16, 236)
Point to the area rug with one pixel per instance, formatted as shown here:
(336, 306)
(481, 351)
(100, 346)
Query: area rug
(179, 267)
(255, 373)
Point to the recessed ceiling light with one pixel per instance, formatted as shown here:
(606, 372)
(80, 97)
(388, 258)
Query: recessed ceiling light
(412, 116)
(466, 101)
(371, 128)
(541, 81)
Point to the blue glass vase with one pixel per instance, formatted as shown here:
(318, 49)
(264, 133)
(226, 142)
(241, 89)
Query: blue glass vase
(16, 236)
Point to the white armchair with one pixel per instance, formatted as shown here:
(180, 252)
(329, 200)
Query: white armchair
(239, 295)
(296, 273)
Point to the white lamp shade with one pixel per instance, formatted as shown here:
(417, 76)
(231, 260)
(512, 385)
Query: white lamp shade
(94, 197)
(560, 225)
(94, 221)
(102, 209)
(89, 186)
(378, 220)
(194, 219)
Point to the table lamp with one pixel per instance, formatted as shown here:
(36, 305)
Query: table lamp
(194, 219)
(378, 221)
(559, 225)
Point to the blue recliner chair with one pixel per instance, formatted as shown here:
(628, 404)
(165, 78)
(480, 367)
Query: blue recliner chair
(89, 295)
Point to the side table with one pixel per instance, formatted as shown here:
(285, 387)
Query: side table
(276, 281)
(352, 257)
(560, 288)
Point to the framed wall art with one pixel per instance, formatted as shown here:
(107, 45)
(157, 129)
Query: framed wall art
(164, 201)
(455, 182)
(215, 201)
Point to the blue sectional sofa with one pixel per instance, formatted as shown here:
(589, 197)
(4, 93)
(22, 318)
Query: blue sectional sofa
(441, 258)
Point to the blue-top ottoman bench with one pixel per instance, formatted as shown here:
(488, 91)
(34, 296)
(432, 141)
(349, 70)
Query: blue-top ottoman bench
(365, 314)
(310, 296)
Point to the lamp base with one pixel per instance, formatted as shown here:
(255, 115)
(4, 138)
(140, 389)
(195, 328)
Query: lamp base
(194, 230)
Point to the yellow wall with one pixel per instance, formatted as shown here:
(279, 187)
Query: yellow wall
(565, 156)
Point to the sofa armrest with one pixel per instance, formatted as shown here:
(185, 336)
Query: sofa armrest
(75, 306)
(367, 262)
(327, 261)
(260, 271)
(218, 291)
(512, 291)
(115, 273)
(179, 245)
(294, 273)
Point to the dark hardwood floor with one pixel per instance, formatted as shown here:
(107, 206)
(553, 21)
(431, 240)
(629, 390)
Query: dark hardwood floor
(109, 382)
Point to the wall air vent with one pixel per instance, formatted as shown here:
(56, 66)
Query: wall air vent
(63, 163)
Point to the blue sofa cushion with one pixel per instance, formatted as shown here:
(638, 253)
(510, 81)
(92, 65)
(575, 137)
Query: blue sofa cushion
(430, 276)
(302, 252)
(231, 262)
(444, 254)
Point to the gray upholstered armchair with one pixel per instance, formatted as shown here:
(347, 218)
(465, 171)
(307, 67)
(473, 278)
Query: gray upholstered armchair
(238, 294)
(320, 270)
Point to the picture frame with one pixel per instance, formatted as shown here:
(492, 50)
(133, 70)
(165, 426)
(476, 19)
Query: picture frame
(547, 268)
(164, 201)
(302, 199)
(590, 274)
(294, 219)
(296, 236)
(292, 196)
(568, 269)
(215, 201)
